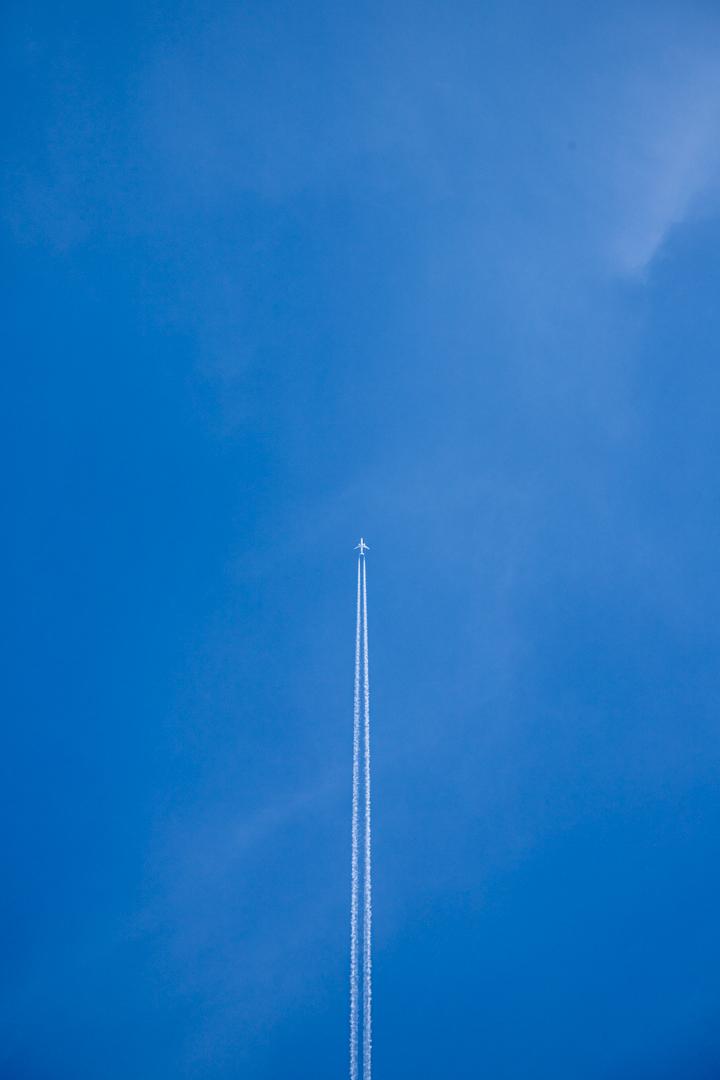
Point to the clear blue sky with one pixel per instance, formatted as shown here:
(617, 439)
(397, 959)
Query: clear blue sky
(447, 275)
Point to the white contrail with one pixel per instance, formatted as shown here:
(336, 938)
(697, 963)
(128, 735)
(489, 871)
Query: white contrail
(367, 892)
(354, 876)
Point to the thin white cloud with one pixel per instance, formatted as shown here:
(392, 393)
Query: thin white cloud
(665, 156)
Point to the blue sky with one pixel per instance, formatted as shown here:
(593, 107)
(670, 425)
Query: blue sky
(446, 275)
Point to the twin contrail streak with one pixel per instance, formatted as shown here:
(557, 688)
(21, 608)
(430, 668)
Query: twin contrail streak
(367, 891)
(355, 846)
(362, 669)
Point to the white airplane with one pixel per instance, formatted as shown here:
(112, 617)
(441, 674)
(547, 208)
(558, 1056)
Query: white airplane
(362, 546)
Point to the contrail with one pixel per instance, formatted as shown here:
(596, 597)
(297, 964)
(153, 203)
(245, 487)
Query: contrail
(354, 876)
(367, 892)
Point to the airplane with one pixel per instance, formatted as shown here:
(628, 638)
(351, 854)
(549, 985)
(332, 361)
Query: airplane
(362, 546)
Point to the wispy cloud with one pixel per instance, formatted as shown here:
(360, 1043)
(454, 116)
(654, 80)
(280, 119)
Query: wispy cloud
(664, 153)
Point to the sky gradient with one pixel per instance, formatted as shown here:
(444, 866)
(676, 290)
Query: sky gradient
(446, 275)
